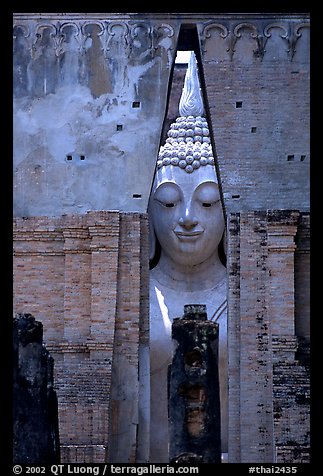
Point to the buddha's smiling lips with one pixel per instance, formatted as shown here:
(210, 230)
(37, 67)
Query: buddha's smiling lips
(188, 235)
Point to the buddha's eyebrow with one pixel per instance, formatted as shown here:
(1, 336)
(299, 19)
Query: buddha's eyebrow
(167, 186)
(211, 186)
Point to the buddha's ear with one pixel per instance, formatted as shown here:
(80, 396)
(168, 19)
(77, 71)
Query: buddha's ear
(225, 241)
(152, 239)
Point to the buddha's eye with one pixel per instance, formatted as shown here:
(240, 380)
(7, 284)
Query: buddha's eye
(168, 195)
(166, 204)
(207, 194)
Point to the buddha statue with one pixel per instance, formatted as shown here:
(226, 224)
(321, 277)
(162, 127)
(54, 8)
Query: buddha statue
(187, 225)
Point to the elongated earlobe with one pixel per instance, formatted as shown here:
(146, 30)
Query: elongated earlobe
(152, 240)
(225, 242)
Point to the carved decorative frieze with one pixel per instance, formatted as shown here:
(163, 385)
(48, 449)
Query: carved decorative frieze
(213, 26)
(137, 40)
(284, 35)
(41, 31)
(237, 33)
(231, 33)
(88, 30)
(24, 29)
(141, 39)
(206, 34)
(163, 41)
(295, 36)
(121, 40)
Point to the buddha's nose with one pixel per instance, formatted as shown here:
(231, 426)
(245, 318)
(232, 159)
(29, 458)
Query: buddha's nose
(189, 220)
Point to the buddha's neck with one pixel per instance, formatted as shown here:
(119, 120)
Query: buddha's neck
(200, 277)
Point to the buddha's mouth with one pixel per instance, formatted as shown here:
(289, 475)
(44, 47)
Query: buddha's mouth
(188, 234)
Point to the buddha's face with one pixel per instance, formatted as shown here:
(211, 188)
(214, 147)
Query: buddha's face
(186, 213)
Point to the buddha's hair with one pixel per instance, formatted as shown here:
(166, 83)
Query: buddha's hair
(188, 143)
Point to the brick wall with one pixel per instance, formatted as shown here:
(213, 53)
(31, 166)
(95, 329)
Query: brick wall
(268, 384)
(84, 278)
(302, 278)
(130, 319)
(256, 73)
(291, 384)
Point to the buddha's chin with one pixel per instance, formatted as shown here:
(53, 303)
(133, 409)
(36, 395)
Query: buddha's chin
(187, 255)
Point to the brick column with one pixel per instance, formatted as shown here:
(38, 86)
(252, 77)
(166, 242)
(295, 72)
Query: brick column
(104, 232)
(282, 227)
(90, 304)
(256, 420)
(291, 385)
(302, 278)
(125, 377)
(144, 361)
(233, 269)
(38, 273)
(249, 340)
(77, 311)
(261, 331)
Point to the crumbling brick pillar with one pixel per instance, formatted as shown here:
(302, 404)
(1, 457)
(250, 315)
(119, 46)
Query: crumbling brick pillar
(126, 366)
(256, 427)
(282, 227)
(267, 422)
(291, 379)
(77, 290)
(84, 382)
(194, 400)
(104, 248)
(35, 417)
(302, 277)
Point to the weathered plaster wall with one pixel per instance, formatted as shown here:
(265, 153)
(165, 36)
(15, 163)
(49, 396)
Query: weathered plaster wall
(260, 63)
(79, 144)
(89, 102)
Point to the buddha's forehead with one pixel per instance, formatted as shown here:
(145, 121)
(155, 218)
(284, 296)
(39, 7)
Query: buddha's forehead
(184, 180)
